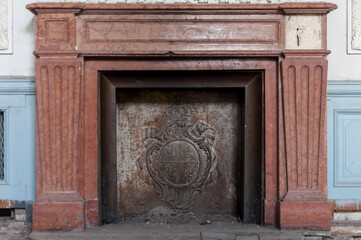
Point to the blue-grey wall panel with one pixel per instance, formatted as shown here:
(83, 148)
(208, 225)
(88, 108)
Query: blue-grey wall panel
(17, 101)
(344, 140)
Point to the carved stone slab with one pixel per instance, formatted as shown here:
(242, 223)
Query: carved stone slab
(5, 26)
(354, 27)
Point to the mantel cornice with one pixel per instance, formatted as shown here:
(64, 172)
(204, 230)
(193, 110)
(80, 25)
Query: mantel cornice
(318, 7)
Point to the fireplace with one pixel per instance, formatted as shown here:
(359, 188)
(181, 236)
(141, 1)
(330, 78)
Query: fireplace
(95, 62)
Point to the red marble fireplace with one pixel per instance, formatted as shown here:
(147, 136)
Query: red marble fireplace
(76, 43)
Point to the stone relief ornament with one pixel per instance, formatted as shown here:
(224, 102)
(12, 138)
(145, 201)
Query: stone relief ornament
(4, 41)
(6, 27)
(356, 25)
(353, 26)
(179, 158)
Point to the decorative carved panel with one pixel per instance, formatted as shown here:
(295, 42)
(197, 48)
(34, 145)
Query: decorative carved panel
(344, 127)
(354, 26)
(180, 157)
(58, 31)
(134, 33)
(348, 166)
(6, 26)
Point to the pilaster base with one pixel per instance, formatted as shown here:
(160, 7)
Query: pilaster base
(50, 216)
(305, 214)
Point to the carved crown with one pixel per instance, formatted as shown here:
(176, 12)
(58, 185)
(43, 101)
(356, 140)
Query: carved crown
(178, 113)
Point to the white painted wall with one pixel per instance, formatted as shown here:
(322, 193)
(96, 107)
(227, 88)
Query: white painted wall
(21, 63)
(342, 66)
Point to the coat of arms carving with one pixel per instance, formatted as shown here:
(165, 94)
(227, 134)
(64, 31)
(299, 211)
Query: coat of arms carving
(179, 158)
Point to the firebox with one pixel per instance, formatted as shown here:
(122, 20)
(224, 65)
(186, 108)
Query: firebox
(188, 140)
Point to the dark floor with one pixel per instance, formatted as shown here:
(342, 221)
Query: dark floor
(160, 228)
(224, 231)
(215, 228)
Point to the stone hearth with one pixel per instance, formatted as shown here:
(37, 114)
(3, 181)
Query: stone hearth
(76, 43)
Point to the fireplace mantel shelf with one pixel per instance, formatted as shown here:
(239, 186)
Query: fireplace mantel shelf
(75, 42)
(321, 7)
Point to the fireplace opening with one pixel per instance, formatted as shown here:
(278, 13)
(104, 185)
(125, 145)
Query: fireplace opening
(181, 142)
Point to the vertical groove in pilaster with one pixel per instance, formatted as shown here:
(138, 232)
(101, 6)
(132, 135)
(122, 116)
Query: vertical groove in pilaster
(316, 124)
(70, 120)
(76, 102)
(64, 128)
(310, 151)
(319, 80)
(304, 145)
(57, 119)
(44, 130)
(292, 123)
(298, 128)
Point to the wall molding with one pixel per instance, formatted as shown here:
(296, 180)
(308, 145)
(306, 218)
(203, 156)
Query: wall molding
(17, 100)
(344, 88)
(17, 85)
(6, 31)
